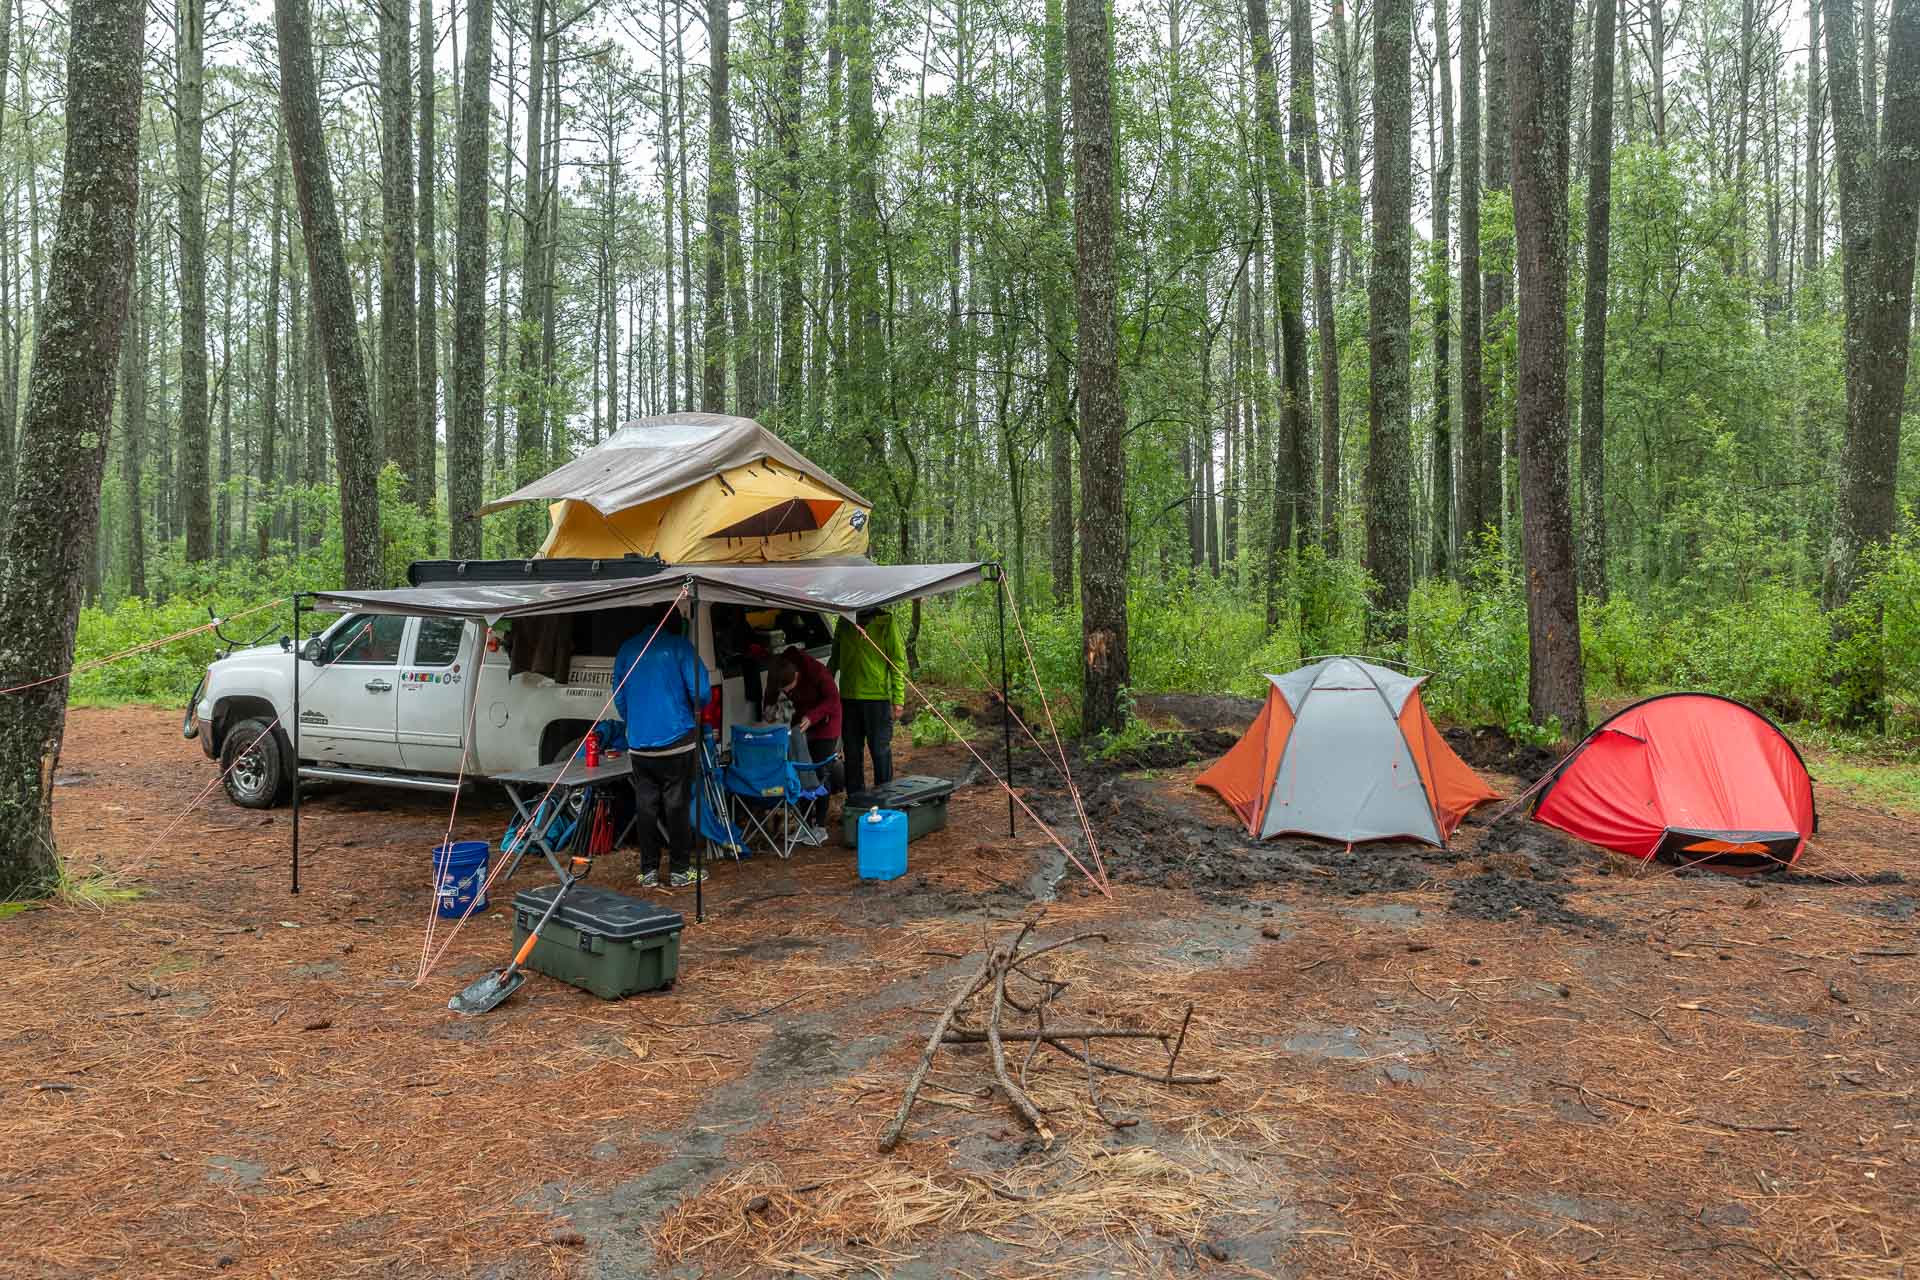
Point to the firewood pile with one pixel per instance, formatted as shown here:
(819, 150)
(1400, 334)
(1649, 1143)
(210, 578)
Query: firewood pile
(1007, 1002)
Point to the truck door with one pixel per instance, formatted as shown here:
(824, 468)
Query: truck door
(349, 697)
(433, 694)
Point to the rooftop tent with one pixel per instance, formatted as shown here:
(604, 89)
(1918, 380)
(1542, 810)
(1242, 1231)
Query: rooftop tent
(1691, 778)
(1344, 749)
(696, 488)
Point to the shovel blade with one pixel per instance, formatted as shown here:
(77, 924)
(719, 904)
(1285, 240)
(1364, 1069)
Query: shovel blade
(488, 992)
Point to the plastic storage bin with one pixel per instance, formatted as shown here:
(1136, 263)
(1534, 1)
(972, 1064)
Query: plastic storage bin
(922, 799)
(882, 844)
(599, 940)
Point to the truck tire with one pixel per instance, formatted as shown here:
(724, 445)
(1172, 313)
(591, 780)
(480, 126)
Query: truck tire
(253, 762)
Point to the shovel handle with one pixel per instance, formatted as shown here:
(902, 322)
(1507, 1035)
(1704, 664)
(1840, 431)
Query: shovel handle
(526, 949)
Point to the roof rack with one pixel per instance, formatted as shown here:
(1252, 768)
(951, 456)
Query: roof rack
(422, 573)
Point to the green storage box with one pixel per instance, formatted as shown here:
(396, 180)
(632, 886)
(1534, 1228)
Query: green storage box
(922, 799)
(599, 940)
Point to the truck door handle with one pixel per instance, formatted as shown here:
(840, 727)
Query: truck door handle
(377, 685)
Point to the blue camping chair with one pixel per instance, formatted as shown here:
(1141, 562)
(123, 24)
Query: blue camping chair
(712, 815)
(766, 789)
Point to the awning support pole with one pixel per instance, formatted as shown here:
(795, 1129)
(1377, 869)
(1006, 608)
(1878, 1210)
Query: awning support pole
(1006, 700)
(297, 596)
(699, 730)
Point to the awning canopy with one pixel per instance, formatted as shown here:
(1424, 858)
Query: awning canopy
(837, 588)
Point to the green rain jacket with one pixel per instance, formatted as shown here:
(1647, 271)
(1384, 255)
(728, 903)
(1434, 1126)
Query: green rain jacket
(863, 672)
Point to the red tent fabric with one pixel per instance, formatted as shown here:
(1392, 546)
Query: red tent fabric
(1691, 778)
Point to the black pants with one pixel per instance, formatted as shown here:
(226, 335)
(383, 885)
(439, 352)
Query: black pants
(866, 724)
(663, 800)
(833, 775)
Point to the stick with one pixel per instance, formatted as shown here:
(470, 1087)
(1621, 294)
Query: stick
(891, 1138)
(997, 963)
(1175, 1055)
(1117, 1069)
(1017, 958)
(963, 1036)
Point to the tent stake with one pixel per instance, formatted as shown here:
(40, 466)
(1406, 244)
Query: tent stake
(296, 741)
(1006, 700)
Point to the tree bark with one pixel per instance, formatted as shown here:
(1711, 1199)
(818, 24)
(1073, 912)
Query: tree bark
(1103, 414)
(723, 212)
(1490, 465)
(1057, 299)
(1442, 285)
(1539, 39)
(49, 540)
(270, 408)
(1324, 319)
(335, 333)
(1389, 320)
(466, 422)
(793, 61)
(1813, 234)
(399, 376)
(223, 506)
(426, 469)
(196, 491)
(864, 352)
(133, 372)
(529, 417)
(1593, 324)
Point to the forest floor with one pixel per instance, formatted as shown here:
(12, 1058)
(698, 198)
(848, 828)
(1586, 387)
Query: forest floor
(1517, 1058)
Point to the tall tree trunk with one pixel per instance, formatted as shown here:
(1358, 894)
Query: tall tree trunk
(1869, 72)
(1103, 413)
(270, 404)
(49, 540)
(466, 422)
(1348, 94)
(399, 378)
(666, 218)
(688, 366)
(1389, 319)
(1442, 285)
(10, 335)
(133, 373)
(1593, 324)
(1813, 236)
(502, 320)
(1496, 424)
(223, 507)
(793, 59)
(355, 450)
(427, 482)
(722, 211)
(196, 495)
(1879, 204)
(1539, 38)
(864, 352)
(529, 413)
(1324, 319)
(1058, 300)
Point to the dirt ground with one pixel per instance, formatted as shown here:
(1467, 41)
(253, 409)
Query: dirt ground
(1515, 1058)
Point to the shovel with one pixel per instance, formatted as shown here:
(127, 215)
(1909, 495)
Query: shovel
(489, 992)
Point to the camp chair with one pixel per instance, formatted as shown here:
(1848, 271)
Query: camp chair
(712, 815)
(766, 790)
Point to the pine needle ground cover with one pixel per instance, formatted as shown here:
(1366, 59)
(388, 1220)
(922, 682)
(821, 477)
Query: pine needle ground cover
(1425, 1068)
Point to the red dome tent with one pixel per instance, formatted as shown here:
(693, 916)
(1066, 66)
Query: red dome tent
(1691, 778)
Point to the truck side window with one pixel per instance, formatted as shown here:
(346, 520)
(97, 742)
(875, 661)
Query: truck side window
(438, 642)
(372, 641)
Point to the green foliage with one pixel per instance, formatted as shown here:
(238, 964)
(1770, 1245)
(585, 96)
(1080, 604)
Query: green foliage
(1474, 641)
(1769, 651)
(1625, 650)
(929, 730)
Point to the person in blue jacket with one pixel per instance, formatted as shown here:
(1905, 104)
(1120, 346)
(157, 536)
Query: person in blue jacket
(660, 685)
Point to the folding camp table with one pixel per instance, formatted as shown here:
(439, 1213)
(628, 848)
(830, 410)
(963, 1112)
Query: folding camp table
(526, 788)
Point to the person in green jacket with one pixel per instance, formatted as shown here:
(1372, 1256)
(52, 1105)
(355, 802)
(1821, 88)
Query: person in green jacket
(873, 693)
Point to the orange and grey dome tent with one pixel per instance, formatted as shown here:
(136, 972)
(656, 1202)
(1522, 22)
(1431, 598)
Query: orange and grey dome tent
(1692, 778)
(1344, 750)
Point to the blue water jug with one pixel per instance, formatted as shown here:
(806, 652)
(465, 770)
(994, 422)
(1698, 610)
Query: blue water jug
(882, 847)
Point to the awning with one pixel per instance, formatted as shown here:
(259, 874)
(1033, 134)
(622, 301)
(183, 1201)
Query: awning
(843, 589)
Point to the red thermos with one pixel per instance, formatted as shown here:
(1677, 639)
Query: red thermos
(593, 748)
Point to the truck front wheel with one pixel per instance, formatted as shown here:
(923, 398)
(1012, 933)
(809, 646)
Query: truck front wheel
(254, 763)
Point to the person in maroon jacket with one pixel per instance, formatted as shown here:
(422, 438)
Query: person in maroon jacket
(810, 687)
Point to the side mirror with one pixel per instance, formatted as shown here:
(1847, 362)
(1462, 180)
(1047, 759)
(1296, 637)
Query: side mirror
(310, 651)
(286, 644)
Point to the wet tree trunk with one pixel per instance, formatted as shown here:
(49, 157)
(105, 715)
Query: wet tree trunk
(529, 414)
(1324, 318)
(196, 492)
(1057, 299)
(1593, 325)
(426, 468)
(1389, 320)
(270, 407)
(1496, 427)
(666, 218)
(723, 212)
(355, 448)
(864, 350)
(1442, 284)
(466, 421)
(793, 50)
(1103, 414)
(399, 379)
(133, 373)
(1539, 38)
(1813, 232)
(501, 392)
(223, 506)
(49, 540)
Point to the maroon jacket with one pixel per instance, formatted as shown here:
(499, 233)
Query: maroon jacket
(815, 696)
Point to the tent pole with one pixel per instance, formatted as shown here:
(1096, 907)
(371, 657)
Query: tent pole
(296, 741)
(699, 733)
(1006, 700)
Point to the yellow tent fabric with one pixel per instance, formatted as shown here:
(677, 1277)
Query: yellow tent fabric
(758, 512)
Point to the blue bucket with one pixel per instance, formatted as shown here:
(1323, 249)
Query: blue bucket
(460, 871)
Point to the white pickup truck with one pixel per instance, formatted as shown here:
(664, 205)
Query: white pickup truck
(383, 697)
